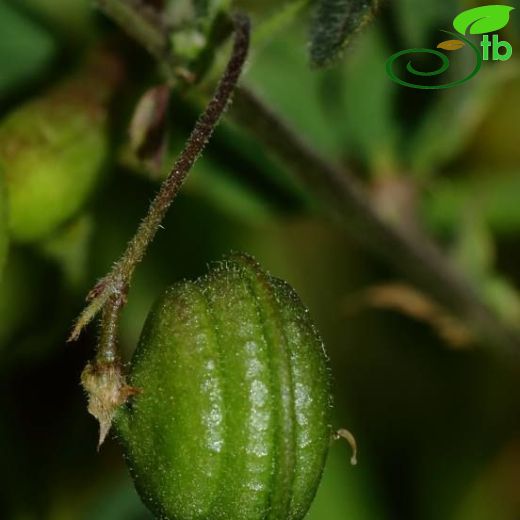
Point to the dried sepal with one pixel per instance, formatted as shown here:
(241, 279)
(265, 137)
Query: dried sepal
(148, 128)
(106, 388)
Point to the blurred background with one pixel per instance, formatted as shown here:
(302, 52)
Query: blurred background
(435, 410)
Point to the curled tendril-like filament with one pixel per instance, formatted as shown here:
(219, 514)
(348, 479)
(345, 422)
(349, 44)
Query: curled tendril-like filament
(342, 433)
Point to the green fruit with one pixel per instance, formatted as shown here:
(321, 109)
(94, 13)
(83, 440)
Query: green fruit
(233, 416)
(52, 150)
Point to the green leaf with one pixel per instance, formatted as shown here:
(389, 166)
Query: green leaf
(474, 249)
(25, 50)
(364, 114)
(70, 23)
(209, 9)
(69, 248)
(452, 120)
(491, 194)
(294, 93)
(333, 25)
(277, 21)
(474, 253)
(481, 20)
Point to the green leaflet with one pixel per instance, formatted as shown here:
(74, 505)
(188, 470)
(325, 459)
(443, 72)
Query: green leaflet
(333, 25)
(491, 194)
(481, 20)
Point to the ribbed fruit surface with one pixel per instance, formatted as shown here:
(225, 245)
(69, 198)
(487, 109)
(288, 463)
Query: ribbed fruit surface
(233, 418)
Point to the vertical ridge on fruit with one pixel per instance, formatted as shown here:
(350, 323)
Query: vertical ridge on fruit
(249, 401)
(309, 364)
(232, 417)
(281, 372)
(189, 387)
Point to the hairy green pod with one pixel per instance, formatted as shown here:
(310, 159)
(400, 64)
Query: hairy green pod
(232, 420)
(53, 147)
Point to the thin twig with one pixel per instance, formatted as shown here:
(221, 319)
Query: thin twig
(114, 285)
(412, 253)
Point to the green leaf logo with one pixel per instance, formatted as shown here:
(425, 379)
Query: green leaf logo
(481, 20)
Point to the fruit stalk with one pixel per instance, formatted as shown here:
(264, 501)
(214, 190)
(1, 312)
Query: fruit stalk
(117, 280)
(103, 379)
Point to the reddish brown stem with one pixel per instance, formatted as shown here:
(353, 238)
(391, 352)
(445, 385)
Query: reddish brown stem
(110, 291)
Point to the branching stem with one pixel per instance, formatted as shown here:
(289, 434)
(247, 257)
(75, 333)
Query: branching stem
(109, 293)
(417, 256)
(104, 379)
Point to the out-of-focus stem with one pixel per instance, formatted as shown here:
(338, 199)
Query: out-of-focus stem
(344, 198)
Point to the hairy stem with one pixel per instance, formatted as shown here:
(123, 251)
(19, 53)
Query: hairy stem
(110, 291)
(109, 323)
(415, 255)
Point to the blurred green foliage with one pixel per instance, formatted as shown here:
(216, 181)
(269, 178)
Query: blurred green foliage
(42, 142)
(26, 51)
(3, 225)
(438, 428)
